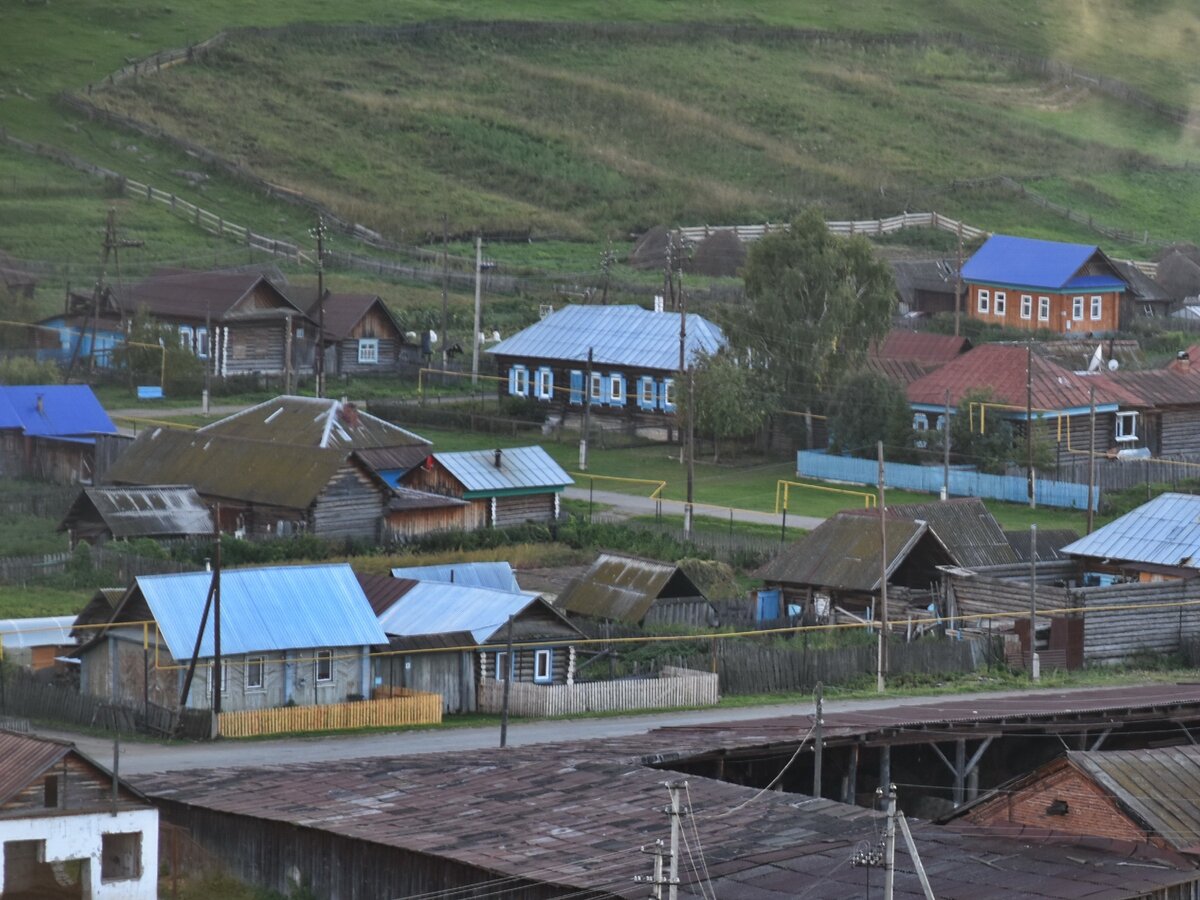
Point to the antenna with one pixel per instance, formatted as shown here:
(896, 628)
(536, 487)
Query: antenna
(1113, 365)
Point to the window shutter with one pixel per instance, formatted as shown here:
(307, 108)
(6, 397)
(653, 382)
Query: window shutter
(645, 392)
(576, 387)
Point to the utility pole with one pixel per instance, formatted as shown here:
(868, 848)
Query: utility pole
(1029, 420)
(445, 294)
(1033, 665)
(656, 880)
(478, 297)
(889, 844)
(818, 738)
(689, 509)
(683, 355)
(674, 811)
(209, 361)
(958, 285)
(1091, 494)
(110, 247)
(216, 670)
(319, 234)
(212, 587)
(946, 449)
(508, 677)
(915, 856)
(587, 413)
(883, 576)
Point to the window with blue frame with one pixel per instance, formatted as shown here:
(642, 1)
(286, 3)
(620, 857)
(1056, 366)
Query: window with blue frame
(616, 389)
(668, 395)
(545, 383)
(576, 387)
(518, 381)
(647, 393)
(543, 666)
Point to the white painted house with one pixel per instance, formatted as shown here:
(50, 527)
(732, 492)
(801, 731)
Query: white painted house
(65, 832)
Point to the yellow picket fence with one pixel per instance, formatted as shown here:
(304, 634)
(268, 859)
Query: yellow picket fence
(414, 708)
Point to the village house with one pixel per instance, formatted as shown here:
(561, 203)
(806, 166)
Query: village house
(289, 635)
(362, 335)
(49, 432)
(635, 360)
(1143, 796)
(462, 632)
(925, 286)
(503, 487)
(101, 514)
(904, 356)
(1164, 414)
(70, 828)
(637, 591)
(240, 323)
(1031, 284)
(1158, 541)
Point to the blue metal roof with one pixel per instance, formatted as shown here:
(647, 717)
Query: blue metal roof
(1165, 531)
(264, 609)
(617, 335)
(1026, 262)
(68, 410)
(1095, 283)
(520, 467)
(496, 576)
(432, 607)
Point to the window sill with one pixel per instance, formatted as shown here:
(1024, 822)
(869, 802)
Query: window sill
(1126, 440)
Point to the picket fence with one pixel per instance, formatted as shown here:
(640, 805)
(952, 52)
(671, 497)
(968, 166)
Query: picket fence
(928, 480)
(673, 689)
(413, 708)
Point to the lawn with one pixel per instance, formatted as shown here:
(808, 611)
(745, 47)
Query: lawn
(17, 601)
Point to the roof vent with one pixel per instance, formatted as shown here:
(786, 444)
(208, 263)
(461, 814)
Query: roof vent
(496, 458)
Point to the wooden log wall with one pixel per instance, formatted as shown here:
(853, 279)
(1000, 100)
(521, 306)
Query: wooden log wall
(1154, 624)
(77, 786)
(351, 505)
(253, 348)
(529, 508)
(974, 595)
(692, 611)
(1048, 572)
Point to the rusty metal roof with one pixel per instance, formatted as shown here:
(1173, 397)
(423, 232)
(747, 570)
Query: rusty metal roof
(217, 466)
(382, 459)
(1159, 787)
(26, 758)
(623, 588)
(153, 511)
(922, 347)
(313, 422)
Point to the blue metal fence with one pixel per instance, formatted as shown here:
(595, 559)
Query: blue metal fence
(964, 482)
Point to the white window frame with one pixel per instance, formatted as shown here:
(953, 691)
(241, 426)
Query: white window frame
(224, 677)
(545, 656)
(596, 388)
(202, 343)
(545, 383)
(984, 296)
(668, 397)
(326, 657)
(616, 389)
(1124, 431)
(1097, 307)
(520, 381)
(1000, 303)
(1077, 309)
(504, 668)
(259, 662)
(920, 422)
(185, 338)
(368, 351)
(647, 391)
(1027, 306)
(1043, 309)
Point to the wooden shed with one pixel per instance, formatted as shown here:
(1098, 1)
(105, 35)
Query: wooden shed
(637, 591)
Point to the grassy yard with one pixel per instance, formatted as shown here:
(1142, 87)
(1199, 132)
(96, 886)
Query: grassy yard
(18, 601)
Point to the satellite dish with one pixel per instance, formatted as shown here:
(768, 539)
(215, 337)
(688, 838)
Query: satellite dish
(1113, 365)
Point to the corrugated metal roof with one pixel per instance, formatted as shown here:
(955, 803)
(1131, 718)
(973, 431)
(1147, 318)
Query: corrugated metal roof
(922, 347)
(264, 609)
(216, 466)
(520, 467)
(623, 588)
(843, 552)
(41, 631)
(313, 422)
(1159, 786)
(382, 459)
(495, 576)
(157, 511)
(433, 607)
(67, 410)
(617, 335)
(964, 525)
(26, 758)
(1026, 262)
(1165, 531)
(1050, 542)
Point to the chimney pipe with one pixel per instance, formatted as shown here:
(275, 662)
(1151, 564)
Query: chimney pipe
(496, 461)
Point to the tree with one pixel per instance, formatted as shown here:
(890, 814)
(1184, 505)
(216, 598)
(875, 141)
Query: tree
(730, 401)
(990, 442)
(153, 351)
(815, 302)
(869, 408)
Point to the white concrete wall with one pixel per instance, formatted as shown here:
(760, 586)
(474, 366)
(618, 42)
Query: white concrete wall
(78, 836)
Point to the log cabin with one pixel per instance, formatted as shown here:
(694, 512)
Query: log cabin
(48, 432)
(361, 335)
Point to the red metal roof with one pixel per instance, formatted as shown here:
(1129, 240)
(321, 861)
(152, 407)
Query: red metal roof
(922, 347)
(1001, 369)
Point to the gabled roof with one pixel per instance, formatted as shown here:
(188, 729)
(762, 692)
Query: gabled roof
(432, 607)
(1172, 386)
(200, 295)
(1158, 787)
(1001, 369)
(313, 422)
(26, 758)
(344, 311)
(1048, 265)
(930, 275)
(1164, 532)
(263, 609)
(843, 552)
(624, 588)
(98, 611)
(158, 511)
(1050, 542)
(496, 576)
(68, 411)
(1142, 287)
(216, 466)
(964, 525)
(922, 347)
(1179, 275)
(520, 469)
(617, 335)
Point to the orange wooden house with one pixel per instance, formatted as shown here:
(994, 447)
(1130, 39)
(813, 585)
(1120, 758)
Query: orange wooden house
(1032, 284)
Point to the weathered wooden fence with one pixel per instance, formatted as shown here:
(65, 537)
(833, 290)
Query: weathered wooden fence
(413, 708)
(674, 688)
(50, 500)
(1122, 474)
(121, 567)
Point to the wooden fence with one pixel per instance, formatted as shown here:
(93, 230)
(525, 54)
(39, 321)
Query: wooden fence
(121, 567)
(675, 688)
(47, 500)
(1122, 474)
(413, 708)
